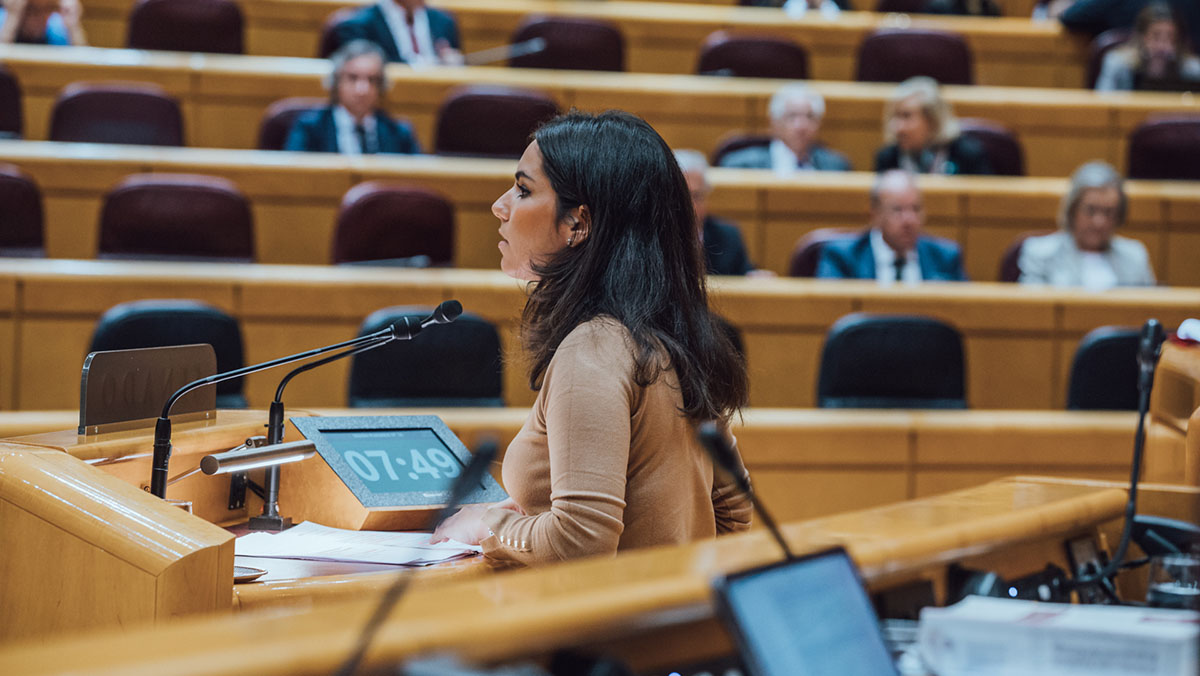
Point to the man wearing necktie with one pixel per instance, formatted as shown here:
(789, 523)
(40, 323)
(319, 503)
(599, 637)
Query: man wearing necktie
(893, 249)
(408, 31)
(353, 123)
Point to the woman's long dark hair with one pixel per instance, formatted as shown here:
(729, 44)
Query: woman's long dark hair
(640, 263)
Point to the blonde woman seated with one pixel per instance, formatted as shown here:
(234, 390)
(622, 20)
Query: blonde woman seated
(1156, 58)
(923, 135)
(1086, 251)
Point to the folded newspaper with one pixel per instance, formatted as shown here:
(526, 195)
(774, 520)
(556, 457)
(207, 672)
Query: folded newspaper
(314, 542)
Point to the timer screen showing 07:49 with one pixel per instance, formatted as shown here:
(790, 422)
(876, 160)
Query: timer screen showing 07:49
(398, 460)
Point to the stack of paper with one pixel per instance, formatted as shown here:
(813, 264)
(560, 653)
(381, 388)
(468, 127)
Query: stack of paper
(314, 542)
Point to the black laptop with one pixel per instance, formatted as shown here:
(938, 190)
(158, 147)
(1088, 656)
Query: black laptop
(810, 616)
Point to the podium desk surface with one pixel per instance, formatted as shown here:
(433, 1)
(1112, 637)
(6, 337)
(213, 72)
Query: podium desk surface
(527, 611)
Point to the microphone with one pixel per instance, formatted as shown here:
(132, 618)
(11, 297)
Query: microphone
(503, 52)
(444, 313)
(723, 456)
(162, 428)
(1149, 349)
(466, 482)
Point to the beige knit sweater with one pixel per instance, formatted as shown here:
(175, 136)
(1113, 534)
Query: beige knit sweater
(603, 465)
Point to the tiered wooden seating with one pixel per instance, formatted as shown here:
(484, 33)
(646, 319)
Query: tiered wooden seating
(223, 98)
(666, 37)
(1173, 432)
(1019, 341)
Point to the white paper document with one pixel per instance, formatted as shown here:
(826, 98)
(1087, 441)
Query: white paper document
(314, 542)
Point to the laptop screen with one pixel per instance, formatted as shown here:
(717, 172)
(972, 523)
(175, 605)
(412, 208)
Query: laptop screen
(805, 617)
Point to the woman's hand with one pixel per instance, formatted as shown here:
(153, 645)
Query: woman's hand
(466, 526)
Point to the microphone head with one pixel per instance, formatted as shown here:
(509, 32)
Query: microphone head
(446, 312)
(1151, 340)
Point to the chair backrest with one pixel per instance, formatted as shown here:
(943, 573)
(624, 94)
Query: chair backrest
(279, 117)
(21, 221)
(1102, 45)
(1166, 147)
(329, 41)
(891, 361)
(457, 364)
(807, 251)
(186, 26)
(571, 43)
(1104, 372)
(162, 323)
(176, 217)
(490, 121)
(127, 112)
(388, 221)
(752, 56)
(735, 141)
(999, 142)
(1009, 270)
(901, 6)
(11, 120)
(896, 55)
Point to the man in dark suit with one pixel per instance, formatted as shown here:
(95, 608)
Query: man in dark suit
(352, 123)
(407, 30)
(796, 112)
(724, 250)
(893, 249)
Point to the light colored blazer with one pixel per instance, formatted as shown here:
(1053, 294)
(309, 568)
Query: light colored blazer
(1054, 259)
(1117, 73)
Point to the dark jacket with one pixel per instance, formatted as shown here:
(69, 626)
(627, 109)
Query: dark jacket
(852, 258)
(724, 250)
(1096, 16)
(759, 157)
(315, 132)
(964, 155)
(369, 24)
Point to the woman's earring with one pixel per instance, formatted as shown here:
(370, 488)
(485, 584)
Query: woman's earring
(571, 240)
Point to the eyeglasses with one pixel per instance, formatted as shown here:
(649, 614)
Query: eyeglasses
(1092, 211)
(355, 78)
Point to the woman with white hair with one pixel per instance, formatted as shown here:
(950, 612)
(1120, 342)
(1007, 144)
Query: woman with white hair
(1086, 251)
(922, 134)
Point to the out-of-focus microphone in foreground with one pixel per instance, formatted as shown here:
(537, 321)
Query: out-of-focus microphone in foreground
(723, 455)
(504, 52)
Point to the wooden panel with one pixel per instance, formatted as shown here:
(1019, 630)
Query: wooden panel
(811, 493)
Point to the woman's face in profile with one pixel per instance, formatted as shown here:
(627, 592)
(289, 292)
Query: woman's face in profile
(529, 231)
(910, 125)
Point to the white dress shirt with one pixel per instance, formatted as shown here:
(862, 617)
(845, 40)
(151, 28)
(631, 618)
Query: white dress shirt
(885, 262)
(394, 15)
(347, 140)
(784, 161)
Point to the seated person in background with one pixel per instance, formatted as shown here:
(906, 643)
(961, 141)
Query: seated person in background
(963, 7)
(1155, 58)
(352, 123)
(1097, 16)
(796, 112)
(893, 249)
(724, 251)
(922, 134)
(407, 30)
(1085, 251)
(42, 22)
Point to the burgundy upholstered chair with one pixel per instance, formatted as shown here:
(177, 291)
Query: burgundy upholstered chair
(571, 43)
(387, 221)
(329, 42)
(186, 26)
(21, 223)
(896, 55)
(1009, 270)
(1101, 45)
(11, 120)
(901, 6)
(177, 217)
(1166, 147)
(736, 141)
(279, 117)
(752, 56)
(490, 121)
(1001, 144)
(127, 112)
(807, 251)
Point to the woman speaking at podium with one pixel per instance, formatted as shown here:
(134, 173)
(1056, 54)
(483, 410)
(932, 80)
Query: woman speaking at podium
(623, 352)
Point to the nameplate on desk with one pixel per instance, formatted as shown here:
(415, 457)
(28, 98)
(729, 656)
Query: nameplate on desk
(125, 389)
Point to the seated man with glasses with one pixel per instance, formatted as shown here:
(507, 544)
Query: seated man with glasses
(353, 123)
(1086, 251)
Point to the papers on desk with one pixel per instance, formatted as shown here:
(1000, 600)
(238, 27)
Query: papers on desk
(314, 542)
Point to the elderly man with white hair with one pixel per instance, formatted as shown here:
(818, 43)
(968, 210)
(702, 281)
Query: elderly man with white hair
(724, 250)
(796, 112)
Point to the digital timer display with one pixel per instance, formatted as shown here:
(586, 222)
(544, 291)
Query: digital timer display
(398, 460)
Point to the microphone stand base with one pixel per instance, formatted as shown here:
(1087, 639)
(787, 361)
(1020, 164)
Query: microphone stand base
(275, 523)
